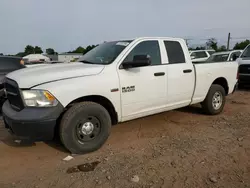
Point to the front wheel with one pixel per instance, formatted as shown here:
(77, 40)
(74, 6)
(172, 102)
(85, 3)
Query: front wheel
(215, 100)
(85, 127)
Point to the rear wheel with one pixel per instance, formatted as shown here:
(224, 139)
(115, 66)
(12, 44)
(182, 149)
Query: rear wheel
(215, 100)
(85, 127)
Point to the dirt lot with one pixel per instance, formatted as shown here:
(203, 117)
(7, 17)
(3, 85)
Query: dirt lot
(181, 148)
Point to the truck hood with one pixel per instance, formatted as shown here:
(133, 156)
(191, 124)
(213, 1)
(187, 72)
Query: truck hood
(245, 60)
(30, 77)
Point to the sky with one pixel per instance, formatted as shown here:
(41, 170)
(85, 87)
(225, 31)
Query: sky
(67, 24)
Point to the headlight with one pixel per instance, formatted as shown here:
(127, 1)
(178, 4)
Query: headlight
(39, 98)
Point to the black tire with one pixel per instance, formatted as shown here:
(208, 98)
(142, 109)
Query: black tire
(208, 105)
(2, 100)
(79, 116)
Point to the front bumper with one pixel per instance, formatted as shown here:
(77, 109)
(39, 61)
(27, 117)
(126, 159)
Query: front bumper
(37, 124)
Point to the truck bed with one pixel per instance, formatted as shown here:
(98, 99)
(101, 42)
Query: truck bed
(208, 73)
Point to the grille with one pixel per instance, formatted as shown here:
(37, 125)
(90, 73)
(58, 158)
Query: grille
(13, 94)
(244, 69)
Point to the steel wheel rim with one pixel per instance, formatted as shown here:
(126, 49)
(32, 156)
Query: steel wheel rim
(88, 129)
(217, 100)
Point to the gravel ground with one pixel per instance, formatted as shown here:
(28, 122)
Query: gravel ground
(181, 148)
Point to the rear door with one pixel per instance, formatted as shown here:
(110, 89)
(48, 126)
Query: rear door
(143, 89)
(180, 74)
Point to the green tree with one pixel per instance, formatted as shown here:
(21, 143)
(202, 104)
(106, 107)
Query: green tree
(38, 50)
(222, 48)
(1, 53)
(29, 50)
(197, 48)
(50, 51)
(241, 45)
(200, 48)
(212, 43)
(20, 54)
(79, 50)
(90, 47)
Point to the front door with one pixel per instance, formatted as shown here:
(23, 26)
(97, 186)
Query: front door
(143, 89)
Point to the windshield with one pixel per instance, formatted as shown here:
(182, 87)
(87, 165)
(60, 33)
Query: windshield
(246, 52)
(218, 58)
(105, 53)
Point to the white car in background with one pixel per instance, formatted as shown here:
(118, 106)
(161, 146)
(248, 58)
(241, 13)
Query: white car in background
(33, 63)
(225, 56)
(200, 55)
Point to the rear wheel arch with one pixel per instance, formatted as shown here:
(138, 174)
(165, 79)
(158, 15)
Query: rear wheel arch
(222, 82)
(214, 104)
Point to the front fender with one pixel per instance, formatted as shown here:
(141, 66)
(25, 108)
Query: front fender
(69, 90)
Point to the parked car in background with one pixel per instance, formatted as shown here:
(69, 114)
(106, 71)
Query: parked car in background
(115, 82)
(34, 63)
(244, 68)
(224, 56)
(36, 57)
(200, 55)
(7, 65)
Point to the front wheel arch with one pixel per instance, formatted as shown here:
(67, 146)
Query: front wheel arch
(105, 102)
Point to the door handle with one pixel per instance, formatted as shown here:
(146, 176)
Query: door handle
(187, 70)
(159, 73)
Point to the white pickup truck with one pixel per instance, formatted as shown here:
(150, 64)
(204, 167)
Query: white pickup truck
(115, 82)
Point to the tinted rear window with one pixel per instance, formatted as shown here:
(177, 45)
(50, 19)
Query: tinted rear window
(8, 63)
(175, 52)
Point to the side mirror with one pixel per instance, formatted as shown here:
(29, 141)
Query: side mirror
(192, 57)
(138, 61)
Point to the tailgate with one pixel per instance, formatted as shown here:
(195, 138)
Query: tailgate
(244, 69)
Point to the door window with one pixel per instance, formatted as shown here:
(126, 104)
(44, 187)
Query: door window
(197, 55)
(150, 48)
(175, 52)
(234, 56)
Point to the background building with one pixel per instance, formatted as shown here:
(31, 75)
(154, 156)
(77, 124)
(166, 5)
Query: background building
(52, 57)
